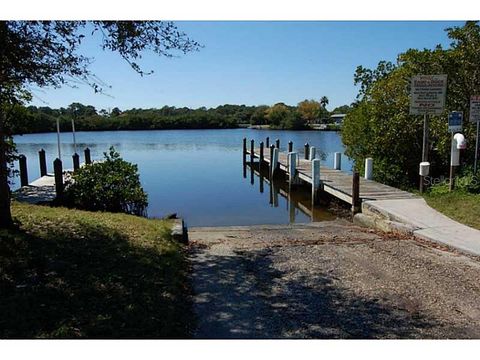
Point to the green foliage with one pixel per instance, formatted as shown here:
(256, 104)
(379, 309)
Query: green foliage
(310, 110)
(294, 121)
(259, 116)
(111, 185)
(465, 182)
(76, 274)
(277, 114)
(379, 125)
(87, 118)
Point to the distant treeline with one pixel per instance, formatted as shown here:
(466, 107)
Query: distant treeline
(34, 119)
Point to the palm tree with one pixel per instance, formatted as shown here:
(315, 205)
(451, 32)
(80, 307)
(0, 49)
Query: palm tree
(324, 101)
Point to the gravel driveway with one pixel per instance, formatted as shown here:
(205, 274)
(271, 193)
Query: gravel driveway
(329, 280)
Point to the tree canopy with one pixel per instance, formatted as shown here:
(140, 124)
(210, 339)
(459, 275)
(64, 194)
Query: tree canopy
(379, 124)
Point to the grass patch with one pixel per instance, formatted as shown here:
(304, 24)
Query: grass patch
(460, 206)
(70, 273)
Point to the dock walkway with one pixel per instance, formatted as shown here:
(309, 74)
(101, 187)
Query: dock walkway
(338, 183)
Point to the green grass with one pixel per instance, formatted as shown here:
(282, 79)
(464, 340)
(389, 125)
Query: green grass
(70, 273)
(460, 206)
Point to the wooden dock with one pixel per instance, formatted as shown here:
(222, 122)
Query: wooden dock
(334, 182)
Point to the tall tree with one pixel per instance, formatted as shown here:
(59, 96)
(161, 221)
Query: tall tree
(379, 124)
(309, 110)
(34, 53)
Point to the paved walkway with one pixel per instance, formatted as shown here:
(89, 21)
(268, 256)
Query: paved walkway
(427, 223)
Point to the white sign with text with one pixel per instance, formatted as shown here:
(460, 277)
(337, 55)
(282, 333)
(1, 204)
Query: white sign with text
(475, 108)
(427, 94)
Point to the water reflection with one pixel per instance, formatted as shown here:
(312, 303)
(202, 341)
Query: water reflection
(298, 198)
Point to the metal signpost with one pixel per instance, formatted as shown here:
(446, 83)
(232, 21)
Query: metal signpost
(455, 125)
(475, 117)
(427, 97)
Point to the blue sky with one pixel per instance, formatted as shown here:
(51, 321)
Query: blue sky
(251, 63)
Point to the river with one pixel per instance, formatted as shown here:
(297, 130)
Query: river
(197, 174)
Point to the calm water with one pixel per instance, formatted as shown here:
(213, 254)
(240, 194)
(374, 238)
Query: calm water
(197, 174)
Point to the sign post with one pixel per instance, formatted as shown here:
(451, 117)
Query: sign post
(455, 125)
(427, 97)
(475, 117)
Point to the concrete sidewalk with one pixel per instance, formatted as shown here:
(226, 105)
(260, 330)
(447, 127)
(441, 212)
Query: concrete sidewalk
(426, 223)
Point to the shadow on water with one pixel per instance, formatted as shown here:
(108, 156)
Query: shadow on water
(246, 297)
(90, 282)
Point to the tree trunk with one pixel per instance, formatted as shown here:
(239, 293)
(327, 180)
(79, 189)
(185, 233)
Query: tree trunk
(5, 213)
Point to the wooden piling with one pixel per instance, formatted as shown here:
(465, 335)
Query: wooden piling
(290, 146)
(244, 154)
(252, 151)
(267, 142)
(58, 172)
(76, 162)
(356, 193)
(43, 162)
(312, 152)
(88, 159)
(307, 148)
(277, 144)
(22, 159)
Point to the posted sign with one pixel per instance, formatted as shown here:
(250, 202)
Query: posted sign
(427, 94)
(455, 121)
(475, 108)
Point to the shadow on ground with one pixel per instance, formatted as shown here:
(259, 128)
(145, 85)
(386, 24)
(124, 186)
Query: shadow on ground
(246, 297)
(92, 282)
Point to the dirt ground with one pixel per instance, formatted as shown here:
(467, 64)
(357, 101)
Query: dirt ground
(329, 280)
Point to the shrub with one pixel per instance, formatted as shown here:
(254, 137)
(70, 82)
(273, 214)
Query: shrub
(111, 185)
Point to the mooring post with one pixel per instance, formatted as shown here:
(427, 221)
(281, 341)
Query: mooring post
(88, 159)
(277, 144)
(292, 167)
(315, 180)
(252, 151)
(274, 162)
(337, 161)
(58, 172)
(261, 157)
(290, 146)
(312, 152)
(22, 159)
(356, 193)
(43, 162)
(267, 142)
(271, 153)
(307, 147)
(368, 168)
(76, 162)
